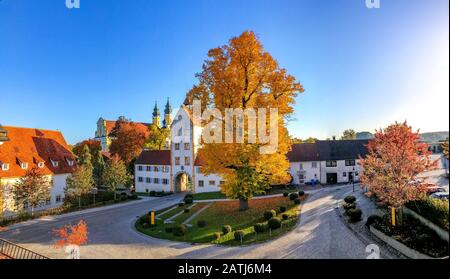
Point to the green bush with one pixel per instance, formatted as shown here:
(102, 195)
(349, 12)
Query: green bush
(260, 227)
(354, 214)
(274, 223)
(238, 235)
(293, 196)
(152, 193)
(226, 229)
(282, 208)
(217, 235)
(297, 201)
(181, 204)
(285, 216)
(350, 199)
(134, 196)
(269, 214)
(186, 210)
(435, 210)
(123, 198)
(188, 200)
(168, 229)
(179, 230)
(301, 193)
(372, 219)
(201, 223)
(348, 206)
(189, 196)
(285, 194)
(143, 219)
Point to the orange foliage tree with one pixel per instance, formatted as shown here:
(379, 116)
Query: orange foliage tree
(93, 145)
(242, 75)
(71, 235)
(128, 140)
(395, 159)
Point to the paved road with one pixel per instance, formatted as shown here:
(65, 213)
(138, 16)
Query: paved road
(320, 234)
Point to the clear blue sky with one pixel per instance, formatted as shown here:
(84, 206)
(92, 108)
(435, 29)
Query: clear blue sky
(361, 68)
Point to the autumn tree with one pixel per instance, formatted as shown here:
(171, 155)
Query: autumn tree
(115, 175)
(128, 140)
(85, 158)
(157, 137)
(79, 183)
(72, 236)
(349, 134)
(310, 140)
(93, 145)
(242, 75)
(99, 167)
(395, 159)
(445, 148)
(33, 190)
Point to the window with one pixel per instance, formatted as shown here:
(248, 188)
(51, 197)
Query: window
(221, 182)
(301, 166)
(41, 165)
(58, 198)
(24, 166)
(356, 173)
(156, 180)
(25, 205)
(165, 168)
(314, 165)
(180, 131)
(48, 201)
(55, 163)
(148, 180)
(212, 182)
(165, 181)
(140, 179)
(5, 166)
(177, 146)
(69, 162)
(187, 161)
(149, 168)
(177, 161)
(201, 183)
(349, 162)
(198, 170)
(156, 169)
(331, 164)
(344, 174)
(186, 146)
(139, 168)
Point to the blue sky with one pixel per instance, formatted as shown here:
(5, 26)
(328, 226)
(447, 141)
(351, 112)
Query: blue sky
(361, 68)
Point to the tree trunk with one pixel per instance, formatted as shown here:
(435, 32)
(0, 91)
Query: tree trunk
(79, 202)
(400, 215)
(32, 211)
(243, 205)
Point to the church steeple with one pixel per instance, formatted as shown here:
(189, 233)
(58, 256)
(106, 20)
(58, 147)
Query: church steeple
(167, 115)
(156, 116)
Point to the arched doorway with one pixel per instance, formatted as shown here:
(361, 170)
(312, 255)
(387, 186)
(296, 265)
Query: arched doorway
(183, 182)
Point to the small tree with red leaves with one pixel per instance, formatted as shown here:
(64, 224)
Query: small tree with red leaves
(72, 236)
(395, 159)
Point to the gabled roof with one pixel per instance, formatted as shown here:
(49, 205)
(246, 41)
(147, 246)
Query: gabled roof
(154, 157)
(29, 145)
(328, 150)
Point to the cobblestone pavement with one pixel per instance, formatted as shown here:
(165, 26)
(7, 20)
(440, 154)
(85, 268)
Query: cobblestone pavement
(321, 233)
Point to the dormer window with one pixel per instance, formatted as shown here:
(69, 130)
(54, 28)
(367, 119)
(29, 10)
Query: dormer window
(24, 166)
(55, 164)
(69, 162)
(41, 165)
(5, 166)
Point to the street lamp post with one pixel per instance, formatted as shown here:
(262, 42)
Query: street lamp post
(353, 179)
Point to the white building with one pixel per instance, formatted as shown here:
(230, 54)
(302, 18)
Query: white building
(22, 149)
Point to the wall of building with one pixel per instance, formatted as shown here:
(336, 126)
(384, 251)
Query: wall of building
(207, 186)
(341, 170)
(146, 186)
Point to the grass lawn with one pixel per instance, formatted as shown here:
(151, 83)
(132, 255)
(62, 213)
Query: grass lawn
(222, 213)
(219, 195)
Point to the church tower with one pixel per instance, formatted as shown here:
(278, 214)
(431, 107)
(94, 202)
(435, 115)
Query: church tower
(156, 116)
(167, 115)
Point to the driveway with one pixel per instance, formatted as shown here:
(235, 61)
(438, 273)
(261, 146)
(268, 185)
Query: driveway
(320, 234)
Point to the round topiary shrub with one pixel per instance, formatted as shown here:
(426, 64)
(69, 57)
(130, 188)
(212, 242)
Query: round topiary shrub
(350, 199)
(285, 216)
(348, 206)
(274, 223)
(226, 229)
(354, 214)
(285, 194)
(282, 208)
(152, 193)
(186, 210)
(293, 196)
(169, 230)
(188, 200)
(373, 219)
(217, 235)
(201, 223)
(269, 214)
(301, 193)
(260, 227)
(189, 196)
(179, 230)
(181, 204)
(297, 201)
(238, 235)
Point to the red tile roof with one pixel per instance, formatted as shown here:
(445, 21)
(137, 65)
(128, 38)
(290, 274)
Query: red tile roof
(140, 125)
(29, 145)
(154, 157)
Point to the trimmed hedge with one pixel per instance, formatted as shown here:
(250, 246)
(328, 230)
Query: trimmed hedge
(269, 214)
(350, 199)
(282, 209)
(435, 210)
(293, 196)
(354, 214)
(226, 229)
(179, 230)
(301, 193)
(297, 201)
(285, 216)
(373, 219)
(348, 206)
(260, 227)
(238, 235)
(274, 223)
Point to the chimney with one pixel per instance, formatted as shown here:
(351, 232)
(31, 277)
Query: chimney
(334, 137)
